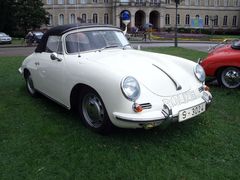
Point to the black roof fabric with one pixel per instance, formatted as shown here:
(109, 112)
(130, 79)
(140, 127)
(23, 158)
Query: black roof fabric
(60, 30)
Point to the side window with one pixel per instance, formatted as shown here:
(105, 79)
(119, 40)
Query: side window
(54, 44)
(77, 42)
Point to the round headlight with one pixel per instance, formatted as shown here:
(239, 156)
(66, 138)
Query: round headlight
(199, 73)
(130, 88)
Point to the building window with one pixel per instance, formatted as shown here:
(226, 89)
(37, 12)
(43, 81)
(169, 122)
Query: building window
(234, 22)
(225, 3)
(106, 20)
(216, 2)
(95, 18)
(83, 1)
(49, 1)
(215, 23)
(225, 20)
(84, 18)
(60, 1)
(72, 19)
(196, 2)
(187, 2)
(187, 19)
(167, 19)
(206, 2)
(94, 1)
(61, 19)
(105, 1)
(178, 19)
(206, 20)
(168, 1)
(72, 1)
(50, 20)
(237, 2)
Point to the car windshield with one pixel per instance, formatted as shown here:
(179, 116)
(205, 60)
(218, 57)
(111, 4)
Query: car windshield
(3, 34)
(236, 44)
(95, 40)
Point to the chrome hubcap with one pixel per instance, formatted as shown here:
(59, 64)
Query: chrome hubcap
(30, 85)
(93, 110)
(231, 78)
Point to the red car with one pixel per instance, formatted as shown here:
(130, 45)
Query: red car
(223, 63)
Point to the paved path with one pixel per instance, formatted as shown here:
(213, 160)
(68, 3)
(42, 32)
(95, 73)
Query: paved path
(25, 51)
(16, 51)
(195, 46)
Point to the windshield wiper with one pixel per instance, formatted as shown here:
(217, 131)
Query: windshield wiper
(124, 47)
(109, 46)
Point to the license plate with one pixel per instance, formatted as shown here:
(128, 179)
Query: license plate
(191, 112)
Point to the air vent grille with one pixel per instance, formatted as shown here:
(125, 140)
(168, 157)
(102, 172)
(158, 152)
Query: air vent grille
(146, 106)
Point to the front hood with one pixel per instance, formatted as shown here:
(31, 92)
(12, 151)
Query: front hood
(159, 73)
(221, 48)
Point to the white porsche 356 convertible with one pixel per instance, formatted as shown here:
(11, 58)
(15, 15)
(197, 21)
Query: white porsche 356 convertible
(94, 69)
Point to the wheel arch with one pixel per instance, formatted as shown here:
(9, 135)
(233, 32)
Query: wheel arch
(76, 93)
(26, 72)
(220, 69)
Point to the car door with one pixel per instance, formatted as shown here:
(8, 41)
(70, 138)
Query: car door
(50, 71)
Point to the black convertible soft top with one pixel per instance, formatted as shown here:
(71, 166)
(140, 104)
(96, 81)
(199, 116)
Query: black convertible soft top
(60, 30)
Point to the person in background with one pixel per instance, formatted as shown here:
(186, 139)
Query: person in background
(29, 38)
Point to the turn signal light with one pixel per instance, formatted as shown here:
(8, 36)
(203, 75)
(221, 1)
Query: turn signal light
(206, 88)
(137, 107)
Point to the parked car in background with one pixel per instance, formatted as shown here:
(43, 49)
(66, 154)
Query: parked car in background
(37, 36)
(5, 39)
(223, 63)
(33, 37)
(93, 69)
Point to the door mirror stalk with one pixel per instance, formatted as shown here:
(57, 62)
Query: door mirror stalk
(54, 56)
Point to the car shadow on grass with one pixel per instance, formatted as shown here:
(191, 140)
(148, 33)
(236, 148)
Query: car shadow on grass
(48, 109)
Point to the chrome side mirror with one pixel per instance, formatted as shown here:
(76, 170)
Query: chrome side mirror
(53, 57)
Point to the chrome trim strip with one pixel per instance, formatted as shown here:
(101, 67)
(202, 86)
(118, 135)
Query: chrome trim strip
(178, 86)
(146, 106)
(172, 119)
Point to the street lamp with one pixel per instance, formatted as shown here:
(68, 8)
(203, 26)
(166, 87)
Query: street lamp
(176, 23)
(213, 19)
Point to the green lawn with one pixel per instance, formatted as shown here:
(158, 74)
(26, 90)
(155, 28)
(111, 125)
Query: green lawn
(41, 140)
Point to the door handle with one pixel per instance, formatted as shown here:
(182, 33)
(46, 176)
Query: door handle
(37, 63)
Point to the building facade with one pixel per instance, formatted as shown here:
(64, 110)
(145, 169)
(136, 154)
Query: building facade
(208, 14)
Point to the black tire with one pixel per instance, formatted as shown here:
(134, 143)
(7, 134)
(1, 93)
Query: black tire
(30, 87)
(93, 112)
(229, 77)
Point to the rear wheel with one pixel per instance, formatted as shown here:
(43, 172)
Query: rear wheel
(30, 87)
(229, 77)
(93, 112)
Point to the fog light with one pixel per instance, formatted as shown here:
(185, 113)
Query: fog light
(137, 107)
(207, 97)
(148, 126)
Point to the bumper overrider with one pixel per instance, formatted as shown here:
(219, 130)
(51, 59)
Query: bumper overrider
(162, 117)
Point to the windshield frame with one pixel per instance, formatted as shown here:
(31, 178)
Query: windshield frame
(234, 46)
(86, 30)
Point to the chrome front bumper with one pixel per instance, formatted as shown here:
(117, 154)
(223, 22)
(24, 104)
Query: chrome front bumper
(152, 119)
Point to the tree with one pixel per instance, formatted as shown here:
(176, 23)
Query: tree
(30, 14)
(7, 20)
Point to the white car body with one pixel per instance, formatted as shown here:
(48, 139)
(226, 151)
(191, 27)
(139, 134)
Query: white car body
(168, 85)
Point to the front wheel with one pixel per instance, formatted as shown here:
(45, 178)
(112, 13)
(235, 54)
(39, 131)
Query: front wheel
(93, 112)
(30, 87)
(229, 77)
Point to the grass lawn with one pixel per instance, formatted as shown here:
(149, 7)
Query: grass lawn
(41, 140)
